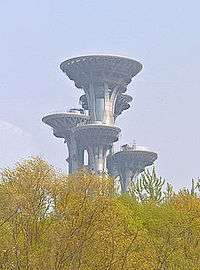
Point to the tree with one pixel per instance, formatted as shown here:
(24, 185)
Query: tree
(52, 221)
(148, 187)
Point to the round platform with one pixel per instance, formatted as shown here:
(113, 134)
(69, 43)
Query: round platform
(131, 159)
(100, 68)
(63, 122)
(94, 134)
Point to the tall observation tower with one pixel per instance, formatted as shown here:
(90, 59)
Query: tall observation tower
(91, 129)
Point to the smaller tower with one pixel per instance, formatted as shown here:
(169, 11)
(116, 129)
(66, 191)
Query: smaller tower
(128, 163)
(64, 125)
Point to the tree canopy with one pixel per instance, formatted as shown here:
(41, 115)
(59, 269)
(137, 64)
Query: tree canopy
(49, 220)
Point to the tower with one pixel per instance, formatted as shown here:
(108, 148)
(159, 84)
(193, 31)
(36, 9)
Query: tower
(104, 80)
(63, 125)
(128, 163)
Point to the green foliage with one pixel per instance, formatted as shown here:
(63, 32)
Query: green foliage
(53, 221)
(148, 187)
(194, 190)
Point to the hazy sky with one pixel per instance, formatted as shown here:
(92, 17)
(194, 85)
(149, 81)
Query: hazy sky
(37, 35)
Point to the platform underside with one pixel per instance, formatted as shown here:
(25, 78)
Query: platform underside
(97, 134)
(65, 120)
(131, 159)
(100, 68)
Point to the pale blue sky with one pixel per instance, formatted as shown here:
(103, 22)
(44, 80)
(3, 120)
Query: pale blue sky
(35, 36)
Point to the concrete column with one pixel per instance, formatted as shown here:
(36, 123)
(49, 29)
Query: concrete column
(97, 158)
(125, 175)
(73, 155)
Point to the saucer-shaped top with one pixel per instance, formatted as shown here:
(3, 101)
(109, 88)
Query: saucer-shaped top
(100, 68)
(132, 158)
